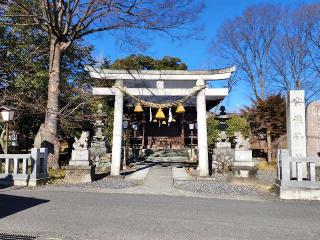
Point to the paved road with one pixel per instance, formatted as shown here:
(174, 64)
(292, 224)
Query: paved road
(80, 215)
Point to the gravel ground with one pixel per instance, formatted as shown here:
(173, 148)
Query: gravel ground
(9, 188)
(225, 184)
(111, 183)
(220, 187)
(266, 177)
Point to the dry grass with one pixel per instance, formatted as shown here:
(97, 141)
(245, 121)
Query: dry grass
(252, 183)
(265, 166)
(56, 175)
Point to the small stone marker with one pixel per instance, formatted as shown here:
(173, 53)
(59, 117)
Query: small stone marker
(313, 129)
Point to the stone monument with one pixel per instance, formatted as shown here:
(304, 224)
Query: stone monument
(296, 127)
(296, 178)
(313, 132)
(313, 129)
(243, 165)
(222, 154)
(80, 169)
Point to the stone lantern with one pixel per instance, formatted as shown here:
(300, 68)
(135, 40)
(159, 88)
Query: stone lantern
(7, 115)
(223, 140)
(222, 154)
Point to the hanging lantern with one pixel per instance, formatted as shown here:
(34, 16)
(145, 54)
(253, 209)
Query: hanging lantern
(138, 108)
(180, 108)
(164, 122)
(160, 115)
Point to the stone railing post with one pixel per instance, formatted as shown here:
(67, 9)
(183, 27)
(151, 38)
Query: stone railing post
(7, 166)
(25, 166)
(283, 165)
(44, 161)
(299, 166)
(312, 171)
(35, 163)
(15, 165)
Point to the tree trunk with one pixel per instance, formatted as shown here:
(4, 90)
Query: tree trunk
(269, 150)
(49, 132)
(2, 140)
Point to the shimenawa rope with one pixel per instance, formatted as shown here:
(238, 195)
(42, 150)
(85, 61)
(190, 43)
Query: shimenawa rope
(144, 103)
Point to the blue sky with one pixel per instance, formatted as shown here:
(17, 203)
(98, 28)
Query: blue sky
(195, 53)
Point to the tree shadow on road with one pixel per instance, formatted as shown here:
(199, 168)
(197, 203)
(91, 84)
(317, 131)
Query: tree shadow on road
(10, 204)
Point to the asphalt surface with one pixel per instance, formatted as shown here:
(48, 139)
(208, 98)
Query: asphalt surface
(83, 215)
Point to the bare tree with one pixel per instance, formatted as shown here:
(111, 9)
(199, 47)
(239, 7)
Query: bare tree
(313, 30)
(246, 41)
(66, 21)
(291, 53)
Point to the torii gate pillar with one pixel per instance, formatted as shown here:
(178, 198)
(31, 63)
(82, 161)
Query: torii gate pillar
(202, 131)
(117, 132)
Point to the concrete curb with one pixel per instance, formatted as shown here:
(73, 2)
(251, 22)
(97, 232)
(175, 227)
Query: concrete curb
(138, 176)
(180, 174)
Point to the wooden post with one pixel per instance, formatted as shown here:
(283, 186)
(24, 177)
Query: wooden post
(269, 150)
(7, 138)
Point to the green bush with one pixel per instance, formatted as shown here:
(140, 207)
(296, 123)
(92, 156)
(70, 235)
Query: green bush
(235, 124)
(238, 124)
(213, 131)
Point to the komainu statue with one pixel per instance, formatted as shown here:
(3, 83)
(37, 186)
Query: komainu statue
(241, 143)
(82, 142)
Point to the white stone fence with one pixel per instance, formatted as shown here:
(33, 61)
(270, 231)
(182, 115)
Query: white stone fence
(296, 172)
(24, 169)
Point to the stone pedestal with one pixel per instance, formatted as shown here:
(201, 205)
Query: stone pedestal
(80, 158)
(104, 162)
(223, 145)
(244, 170)
(243, 156)
(79, 174)
(243, 166)
(79, 169)
(222, 157)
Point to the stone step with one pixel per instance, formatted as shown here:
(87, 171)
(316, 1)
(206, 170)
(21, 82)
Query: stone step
(168, 155)
(167, 159)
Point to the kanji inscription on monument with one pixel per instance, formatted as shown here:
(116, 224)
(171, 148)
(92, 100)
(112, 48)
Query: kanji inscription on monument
(296, 123)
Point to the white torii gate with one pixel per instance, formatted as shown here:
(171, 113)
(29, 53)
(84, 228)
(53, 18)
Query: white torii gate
(168, 83)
